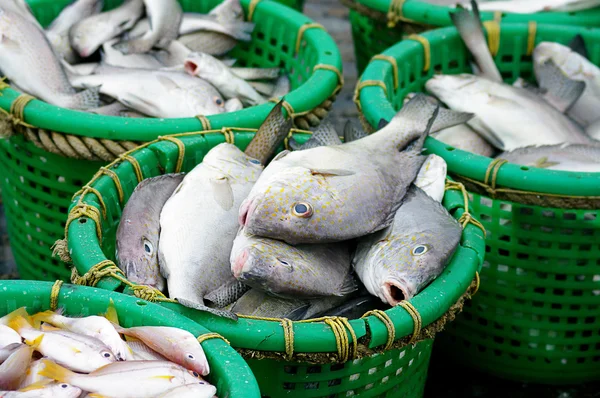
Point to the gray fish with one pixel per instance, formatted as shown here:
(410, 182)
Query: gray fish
(282, 87)
(255, 73)
(113, 57)
(257, 303)
(58, 31)
(28, 60)
(228, 10)
(227, 294)
(303, 271)
(165, 18)
(213, 43)
(567, 157)
(263, 88)
(463, 137)
(22, 8)
(556, 88)
(355, 308)
(13, 369)
(353, 132)
(323, 135)
(193, 255)
(340, 192)
(138, 231)
(173, 55)
(593, 130)
(6, 351)
(90, 33)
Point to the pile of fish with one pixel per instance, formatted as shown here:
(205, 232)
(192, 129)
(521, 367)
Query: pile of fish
(145, 58)
(51, 355)
(329, 228)
(525, 6)
(554, 125)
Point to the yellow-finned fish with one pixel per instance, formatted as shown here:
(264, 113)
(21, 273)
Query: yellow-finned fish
(44, 389)
(13, 370)
(191, 391)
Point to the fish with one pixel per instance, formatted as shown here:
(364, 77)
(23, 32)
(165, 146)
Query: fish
(323, 135)
(191, 391)
(534, 6)
(593, 130)
(353, 132)
(177, 345)
(233, 104)
(44, 390)
(255, 73)
(138, 231)
(396, 263)
(193, 256)
(113, 57)
(431, 178)
(28, 60)
(58, 31)
(228, 10)
(465, 138)
(355, 308)
(161, 94)
(165, 17)
(12, 370)
(80, 353)
(6, 351)
(218, 74)
(471, 31)
(8, 336)
(222, 296)
(142, 352)
(213, 43)
(93, 326)
(502, 111)
(116, 109)
(566, 157)
(576, 67)
(341, 192)
(32, 376)
(87, 35)
(127, 379)
(283, 270)
(174, 55)
(22, 8)
(255, 302)
(282, 87)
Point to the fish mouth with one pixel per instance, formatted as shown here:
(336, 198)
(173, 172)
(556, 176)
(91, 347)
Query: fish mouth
(395, 292)
(237, 266)
(191, 67)
(246, 210)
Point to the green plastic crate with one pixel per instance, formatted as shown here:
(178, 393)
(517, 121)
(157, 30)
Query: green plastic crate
(318, 368)
(228, 371)
(370, 18)
(41, 167)
(536, 316)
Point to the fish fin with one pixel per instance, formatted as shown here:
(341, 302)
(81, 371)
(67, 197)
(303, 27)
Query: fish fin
(256, 73)
(45, 316)
(69, 69)
(227, 294)
(46, 327)
(348, 286)
(263, 88)
(274, 129)
(55, 371)
(167, 82)
(282, 86)
(382, 123)
(35, 343)
(352, 132)
(130, 338)
(229, 62)
(17, 323)
(298, 314)
(543, 163)
(239, 30)
(138, 45)
(166, 377)
(96, 395)
(222, 192)
(18, 312)
(577, 45)
(111, 311)
(9, 43)
(201, 307)
(38, 385)
(87, 99)
(560, 91)
(332, 172)
(420, 108)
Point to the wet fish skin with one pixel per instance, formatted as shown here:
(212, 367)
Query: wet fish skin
(191, 391)
(12, 370)
(32, 376)
(6, 351)
(282, 87)
(463, 137)
(255, 302)
(353, 132)
(112, 56)
(142, 352)
(323, 135)
(213, 43)
(22, 8)
(44, 390)
(89, 34)
(355, 308)
(233, 104)
(8, 336)
(138, 231)
(228, 10)
(173, 55)
(337, 193)
(165, 19)
(566, 157)
(28, 60)
(270, 134)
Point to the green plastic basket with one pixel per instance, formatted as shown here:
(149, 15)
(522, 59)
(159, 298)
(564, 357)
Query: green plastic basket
(372, 34)
(228, 371)
(41, 167)
(318, 365)
(536, 316)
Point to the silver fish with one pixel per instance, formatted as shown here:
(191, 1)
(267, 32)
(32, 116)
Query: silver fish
(323, 135)
(213, 43)
(58, 31)
(303, 271)
(32, 375)
(116, 109)
(165, 18)
(233, 104)
(89, 34)
(6, 351)
(112, 56)
(12, 370)
(353, 132)
(138, 231)
(8, 336)
(44, 390)
(567, 157)
(593, 130)
(282, 87)
(340, 192)
(255, 73)
(502, 111)
(228, 10)
(22, 8)
(141, 352)
(28, 60)
(191, 391)
(463, 137)
(173, 55)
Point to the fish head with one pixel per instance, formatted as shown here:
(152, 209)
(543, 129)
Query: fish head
(446, 86)
(65, 390)
(202, 103)
(229, 10)
(203, 65)
(87, 36)
(401, 267)
(545, 51)
(232, 161)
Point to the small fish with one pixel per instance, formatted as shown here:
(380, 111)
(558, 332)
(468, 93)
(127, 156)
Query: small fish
(6, 351)
(177, 345)
(593, 130)
(233, 104)
(302, 271)
(282, 87)
(323, 135)
(12, 371)
(228, 10)
(213, 43)
(165, 18)
(353, 132)
(174, 55)
(256, 73)
(58, 32)
(8, 336)
(87, 35)
(93, 326)
(127, 379)
(566, 157)
(465, 138)
(432, 177)
(80, 353)
(355, 308)
(32, 376)
(44, 389)
(191, 391)
(336, 193)
(112, 56)
(214, 71)
(141, 352)
(258, 303)
(138, 231)
(29, 61)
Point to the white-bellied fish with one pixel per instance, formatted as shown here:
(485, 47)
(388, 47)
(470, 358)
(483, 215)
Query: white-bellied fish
(13, 369)
(566, 157)
(191, 391)
(44, 389)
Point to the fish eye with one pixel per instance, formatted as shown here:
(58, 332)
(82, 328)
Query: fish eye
(418, 250)
(195, 374)
(284, 262)
(148, 248)
(302, 209)
(64, 385)
(254, 161)
(106, 354)
(219, 101)
(190, 356)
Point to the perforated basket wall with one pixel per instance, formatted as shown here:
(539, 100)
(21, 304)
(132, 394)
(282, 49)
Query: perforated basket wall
(318, 367)
(42, 167)
(228, 371)
(535, 317)
(372, 35)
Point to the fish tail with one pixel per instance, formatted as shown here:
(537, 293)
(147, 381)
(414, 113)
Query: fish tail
(55, 371)
(18, 312)
(86, 99)
(240, 30)
(35, 343)
(18, 322)
(111, 313)
(45, 316)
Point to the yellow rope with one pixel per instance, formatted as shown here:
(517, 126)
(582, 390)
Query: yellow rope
(87, 189)
(17, 108)
(392, 61)
(251, 8)
(426, 50)
(416, 317)
(477, 281)
(532, 30)
(301, 31)
(208, 336)
(387, 322)
(288, 337)
(493, 31)
(497, 16)
(54, 295)
(395, 13)
(229, 135)
(83, 210)
(466, 217)
(95, 274)
(335, 70)
(205, 122)
(136, 167)
(180, 146)
(116, 180)
(492, 171)
(367, 83)
(286, 140)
